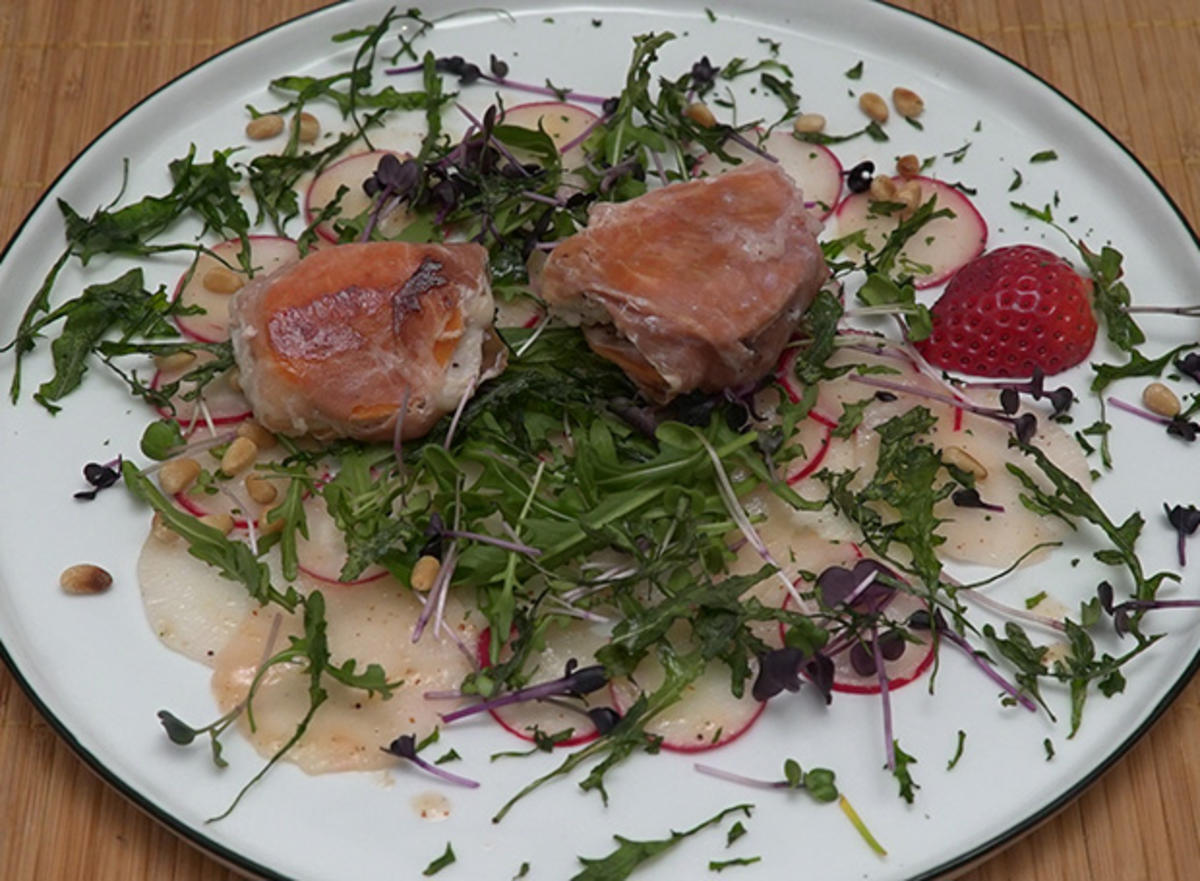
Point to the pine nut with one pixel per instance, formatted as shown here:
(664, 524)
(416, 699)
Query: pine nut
(909, 194)
(260, 489)
(1161, 400)
(700, 114)
(262, 438)
(174, 361)
(425, 573)
(809, 122)
(266, 526)
(177, 475)
(220, 280)
(883, 188)
(223, 523)
(161, 531)
(907, 102)
(84, 578)
(908, 166)
(234, 378)
(964, 461)
(874, 106)
(310, 127)
(238, 456)
(264, 127)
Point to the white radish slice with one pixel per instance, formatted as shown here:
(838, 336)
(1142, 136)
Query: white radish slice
(939, 249)
(323, 554)
(199, 286)
(706, 717)
(223, 403)
(199, 502)
(351, 172)
(816, 171)
(371, 625)
(577, 640)
(564, 123)
(191, 608)
(518, 312)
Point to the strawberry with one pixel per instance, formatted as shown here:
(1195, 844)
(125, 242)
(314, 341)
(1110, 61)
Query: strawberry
(1010, 311)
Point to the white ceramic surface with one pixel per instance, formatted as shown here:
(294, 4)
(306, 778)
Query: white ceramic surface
(101, 675)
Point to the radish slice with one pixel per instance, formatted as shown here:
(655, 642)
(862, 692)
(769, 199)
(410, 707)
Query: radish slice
(518, 312)
(908, 667)
(939, 249)
(812, 166)
(706, 717)
(199, 502)
(191, 608)
(577, 640)
(564, 123)
(210, 283)
(323, 554)
(351, 172)
(224, 403)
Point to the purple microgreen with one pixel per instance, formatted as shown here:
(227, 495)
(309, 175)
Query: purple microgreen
(498, 67)
(969, 498)
(1010, 401)
(1176, 426)
(486, 127)
(1189, 365)
(1185, 521)
(604, 718)
(743, 141)
(469, 73)
(405, 747)
(922, 620)
(1060, 398)
(1024, 426)
(575, 682)
(1104, 592)
(778, 670)
(435, 601)
(1186, 311)
(100, 477)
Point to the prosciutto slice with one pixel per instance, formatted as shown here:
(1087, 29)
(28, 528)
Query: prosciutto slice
(695, 286)
(340, 343)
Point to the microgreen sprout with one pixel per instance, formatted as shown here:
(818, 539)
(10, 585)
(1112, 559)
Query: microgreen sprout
(922, 620)
(1060, 398)
(1189, 365)
(405, 747)
(1185, 520)
(576, 682)
(1024, 425)
(1122, 612)
(969, 498)
(818, 782)
(1177, 426)
(100, 477)
(469, 73)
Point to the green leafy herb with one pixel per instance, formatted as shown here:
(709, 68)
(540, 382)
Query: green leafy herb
(441, 862)
(903, 775)
(736, 831)
(630, 854)
(856, 72)
(958, 750)
(722, 865)
(1044, 156)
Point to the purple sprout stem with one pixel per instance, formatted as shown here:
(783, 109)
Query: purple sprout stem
(516, 547)
(585, 134)
(500, 148)
(448, 776)
(441, 584)
(933, 396)
(514, 85)
(1191, 311)
(988, 670)
(881, 674)
(552, 688)
(1180, 545)
(1161, 604)
(1138, 411)
(376, 212)
(545, 200)
(739, 778)
(737, 138)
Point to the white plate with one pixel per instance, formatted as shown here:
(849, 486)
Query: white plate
(99, 674)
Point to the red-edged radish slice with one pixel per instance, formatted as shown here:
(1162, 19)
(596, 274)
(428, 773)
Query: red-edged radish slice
(235, 501)
(812, 166)
(908, 667)
(707, 716)
(939, 249)
(518, 312)
(323, 554)
(578, 640)
(223, 403)
(350, 173)
(564, 123)
(210, 284)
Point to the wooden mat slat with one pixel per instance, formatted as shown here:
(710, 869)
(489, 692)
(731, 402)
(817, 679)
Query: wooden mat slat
(68, 69)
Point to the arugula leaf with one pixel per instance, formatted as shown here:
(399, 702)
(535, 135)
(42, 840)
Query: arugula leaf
(630, 853)
(441, 862)
(902, 773)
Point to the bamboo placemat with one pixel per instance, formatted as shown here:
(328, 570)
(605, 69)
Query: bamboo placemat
(69, 69)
